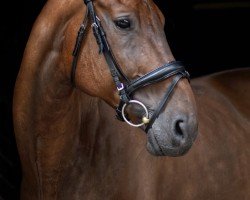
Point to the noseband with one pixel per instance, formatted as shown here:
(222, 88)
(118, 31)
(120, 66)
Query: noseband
(126, 87)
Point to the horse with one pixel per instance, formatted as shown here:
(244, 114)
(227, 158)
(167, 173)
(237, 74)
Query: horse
(71, 144)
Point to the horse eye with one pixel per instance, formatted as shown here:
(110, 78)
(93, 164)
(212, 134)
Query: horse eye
(123, 23)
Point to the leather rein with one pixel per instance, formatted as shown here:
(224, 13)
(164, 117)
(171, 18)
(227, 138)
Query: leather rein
(124, 85)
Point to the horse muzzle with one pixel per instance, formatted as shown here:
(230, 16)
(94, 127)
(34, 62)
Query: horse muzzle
(172, 138)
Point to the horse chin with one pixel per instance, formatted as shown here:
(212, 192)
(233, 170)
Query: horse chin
(158, 148)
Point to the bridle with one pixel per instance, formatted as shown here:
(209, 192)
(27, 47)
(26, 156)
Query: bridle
(127, 87)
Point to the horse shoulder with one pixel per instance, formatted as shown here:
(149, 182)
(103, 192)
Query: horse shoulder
(220, 152)
(232, 87)
(224, 122)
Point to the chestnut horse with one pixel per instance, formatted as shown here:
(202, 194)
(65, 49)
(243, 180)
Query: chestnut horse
(72, 147)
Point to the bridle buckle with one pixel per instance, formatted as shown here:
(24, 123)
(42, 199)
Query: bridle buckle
(120, 87)
(94, 24)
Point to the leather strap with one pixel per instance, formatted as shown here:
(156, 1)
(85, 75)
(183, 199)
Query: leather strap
(156, 75)
(104, 48)
(164, 101)
(79, 39)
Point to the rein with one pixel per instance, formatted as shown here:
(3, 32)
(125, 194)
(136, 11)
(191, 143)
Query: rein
(124, 85)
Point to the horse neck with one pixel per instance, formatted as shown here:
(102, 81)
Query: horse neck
(73, 127)
(54, 72)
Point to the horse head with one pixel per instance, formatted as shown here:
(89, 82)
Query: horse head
(124, 59)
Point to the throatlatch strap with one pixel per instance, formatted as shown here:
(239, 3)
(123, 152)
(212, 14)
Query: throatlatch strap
(79, 39)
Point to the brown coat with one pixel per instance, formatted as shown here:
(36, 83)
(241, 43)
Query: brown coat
(72, 147)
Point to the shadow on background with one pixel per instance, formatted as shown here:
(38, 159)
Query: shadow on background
(208, 35)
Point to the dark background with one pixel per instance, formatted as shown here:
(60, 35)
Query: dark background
(208, 35)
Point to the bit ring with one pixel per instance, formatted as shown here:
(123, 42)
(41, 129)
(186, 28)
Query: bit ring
(138, 103)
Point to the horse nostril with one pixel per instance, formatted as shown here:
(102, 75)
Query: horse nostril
(178, 134)
(178, 130)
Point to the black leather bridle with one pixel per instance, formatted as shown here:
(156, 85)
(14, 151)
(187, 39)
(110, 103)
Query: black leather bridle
(126, 87)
